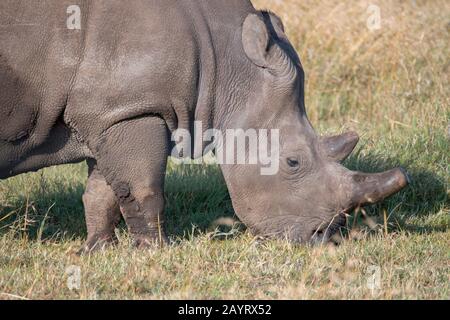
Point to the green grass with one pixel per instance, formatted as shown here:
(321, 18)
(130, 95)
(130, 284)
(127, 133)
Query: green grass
(392, 86)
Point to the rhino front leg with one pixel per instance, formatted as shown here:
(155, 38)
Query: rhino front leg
(133, 157)
(101, 210)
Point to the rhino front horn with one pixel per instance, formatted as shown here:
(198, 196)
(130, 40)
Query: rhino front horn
(339, 147)
(371, 188)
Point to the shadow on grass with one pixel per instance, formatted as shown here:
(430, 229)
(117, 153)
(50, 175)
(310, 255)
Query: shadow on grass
(45, 214)
(197, 197)
(414, 208)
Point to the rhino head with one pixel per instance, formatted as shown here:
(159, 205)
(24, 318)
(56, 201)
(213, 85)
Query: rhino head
(308, 198)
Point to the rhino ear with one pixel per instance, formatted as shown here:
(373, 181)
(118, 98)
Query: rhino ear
(274, 19)
(255, 39)
(339, 147)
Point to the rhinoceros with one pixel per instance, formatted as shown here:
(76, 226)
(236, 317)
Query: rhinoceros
(111, 88)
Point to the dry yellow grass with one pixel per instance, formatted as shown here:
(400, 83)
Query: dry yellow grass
(359, 77)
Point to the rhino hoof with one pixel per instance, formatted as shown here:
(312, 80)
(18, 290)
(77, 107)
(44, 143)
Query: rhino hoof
(97, 243)
(150, 242)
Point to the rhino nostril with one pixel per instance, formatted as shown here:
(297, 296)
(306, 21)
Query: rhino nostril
(318, 236)
(317, 233)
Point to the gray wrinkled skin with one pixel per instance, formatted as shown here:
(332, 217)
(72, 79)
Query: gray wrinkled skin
(113, 92)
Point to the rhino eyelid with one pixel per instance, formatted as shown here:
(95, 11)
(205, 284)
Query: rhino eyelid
(292, 162)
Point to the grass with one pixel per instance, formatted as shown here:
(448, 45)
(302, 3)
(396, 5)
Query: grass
(391, 85)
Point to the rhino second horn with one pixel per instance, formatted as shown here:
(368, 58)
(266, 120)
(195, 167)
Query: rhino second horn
(371, 188)
(339, 147)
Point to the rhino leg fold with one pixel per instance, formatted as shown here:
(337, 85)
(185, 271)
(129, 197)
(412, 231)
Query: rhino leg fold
(133, 156)
(101, 210)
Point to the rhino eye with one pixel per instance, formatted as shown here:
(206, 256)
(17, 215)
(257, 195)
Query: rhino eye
(292, 162)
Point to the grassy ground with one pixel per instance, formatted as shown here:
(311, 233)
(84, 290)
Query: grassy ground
(391, 85)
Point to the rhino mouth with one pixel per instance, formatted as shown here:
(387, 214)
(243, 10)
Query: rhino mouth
(296, 233)
(328, 232)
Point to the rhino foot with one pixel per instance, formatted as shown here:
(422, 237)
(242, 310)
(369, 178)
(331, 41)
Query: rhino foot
(150, 241)
(97, 242)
